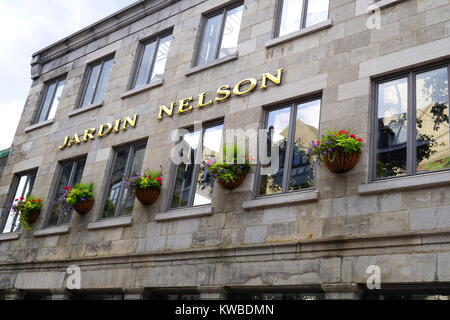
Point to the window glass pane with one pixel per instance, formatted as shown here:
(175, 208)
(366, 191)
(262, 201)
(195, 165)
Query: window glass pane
(25, 185)
(136, 167)
(47, 102)
(185, 172)
(103, 81)
(66, 169)
(231, 31)
(57, 218)
(306, 129)
(317, 12)
(115, 185)
(277, 135)
(56, 100)
(146, 64)
(92, 82)
(212, 146)
(433, 151)
(291, 16)
(161, 58)
(210, 39)
(392, 128)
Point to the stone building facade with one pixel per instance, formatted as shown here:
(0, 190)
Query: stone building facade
(322, 240)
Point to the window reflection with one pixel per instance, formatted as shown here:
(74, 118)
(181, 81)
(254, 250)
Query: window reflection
(392, 128)
(433, 151)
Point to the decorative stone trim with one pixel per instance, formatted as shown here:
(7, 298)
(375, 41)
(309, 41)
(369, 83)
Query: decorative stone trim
(342, 291)
(411, 182)
(383, 4)
(52, 231)
(300, 33)
(9, 236)
(111, 223)
(142, 89)
(85, 109)
(212, 64)
(186, 213)
(39, 125)
(282, 199)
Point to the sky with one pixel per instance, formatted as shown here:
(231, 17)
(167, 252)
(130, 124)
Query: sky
(27, 26)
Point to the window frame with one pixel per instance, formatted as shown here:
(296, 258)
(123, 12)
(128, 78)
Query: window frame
(195, 172)
(42, 99)
(87, 77)
(140, 55)
(131, 146)
(304, 14)
(54, 190)
(205, 17)
(411, 152)
(292, 104)
(10, 198)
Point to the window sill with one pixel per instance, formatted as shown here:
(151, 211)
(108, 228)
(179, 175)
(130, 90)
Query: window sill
(111, 223)
(282, 199)
(52, 231)
(404, 183)
(85, 109)
(9, 236)
(382, 4)
(298, 34)
(38, 125)
(186, 213)
(212, 64)
(141, 89)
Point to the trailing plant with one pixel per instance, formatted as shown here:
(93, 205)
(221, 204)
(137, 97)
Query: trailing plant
(149, 179)
(332, 143)
(232, 165)
(80, 192)
(25, 207)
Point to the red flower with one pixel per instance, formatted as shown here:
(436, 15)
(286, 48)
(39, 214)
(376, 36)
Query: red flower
(353, 136)
(22, 198)
(159, 180)
(17, 199)
(318, 141)
(360, 140)
(66, 188)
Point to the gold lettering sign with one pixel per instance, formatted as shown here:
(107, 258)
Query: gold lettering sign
(224, 92)
(103, 130)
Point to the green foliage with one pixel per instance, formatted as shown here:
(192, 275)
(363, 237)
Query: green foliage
(80, 192)
(234, 164)
(150, 179)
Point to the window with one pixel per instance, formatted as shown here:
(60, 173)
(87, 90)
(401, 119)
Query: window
(290, 129)
(51, 99)
(412, 125)
(298, 14)
(97, 79)
(70, 173)
(193, 186)
(22, 187)
(220, 34)
(152, 60)
(127, 162)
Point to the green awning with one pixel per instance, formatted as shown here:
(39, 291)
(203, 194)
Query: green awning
(4, 153)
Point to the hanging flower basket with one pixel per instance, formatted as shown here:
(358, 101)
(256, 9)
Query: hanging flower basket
(232, 170)
(145, 187)
(83, 206)
(236, 183)
(340, 151)
(148, 196)
(80, 198)
(33, 216)
(342, 161)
